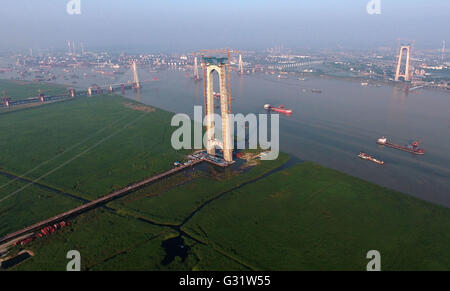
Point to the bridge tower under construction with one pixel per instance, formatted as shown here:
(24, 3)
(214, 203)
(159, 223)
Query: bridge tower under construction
(219, 65)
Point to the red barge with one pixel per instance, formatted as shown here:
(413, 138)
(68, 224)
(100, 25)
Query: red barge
(412, 148)
(280, 109)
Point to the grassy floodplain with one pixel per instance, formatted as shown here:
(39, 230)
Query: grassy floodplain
(309, 217)
(305, 217)
(172, 202)
(87, 146)
(120, 250)
(19, 90)
(30, 205)
(99, 236)
(172, 205)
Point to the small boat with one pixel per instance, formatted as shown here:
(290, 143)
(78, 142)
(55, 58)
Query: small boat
(365, 156)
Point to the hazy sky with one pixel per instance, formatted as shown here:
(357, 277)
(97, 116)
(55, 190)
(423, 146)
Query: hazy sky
(245, 24)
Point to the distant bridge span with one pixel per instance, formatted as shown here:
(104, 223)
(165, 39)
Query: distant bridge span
(71, 94)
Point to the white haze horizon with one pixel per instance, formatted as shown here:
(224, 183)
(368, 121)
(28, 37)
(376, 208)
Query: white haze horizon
(181, 25)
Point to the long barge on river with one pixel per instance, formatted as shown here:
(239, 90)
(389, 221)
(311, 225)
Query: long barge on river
(412, 148)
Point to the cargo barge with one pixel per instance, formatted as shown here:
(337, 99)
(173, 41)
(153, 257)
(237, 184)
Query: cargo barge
(365, 156)
(280, 109)
(412, 148)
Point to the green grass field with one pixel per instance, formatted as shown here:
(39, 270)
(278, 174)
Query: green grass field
(306, 217)
(87, 146)
(19, 90)
(171, 205)
(29, 206)
(112, 246)
(99, 236)
(309, 217)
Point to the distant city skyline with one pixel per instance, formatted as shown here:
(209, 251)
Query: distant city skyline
(180, 25)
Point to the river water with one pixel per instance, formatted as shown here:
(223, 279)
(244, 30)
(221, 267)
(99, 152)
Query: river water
(332, 127)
